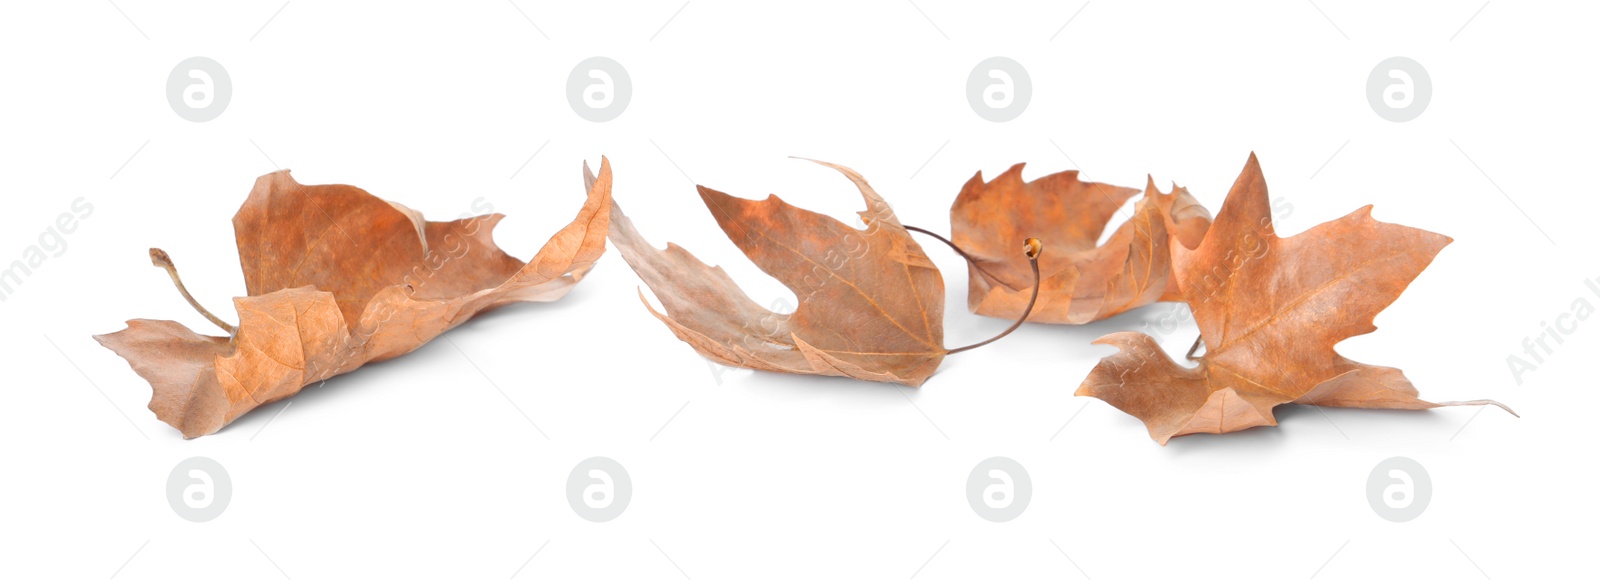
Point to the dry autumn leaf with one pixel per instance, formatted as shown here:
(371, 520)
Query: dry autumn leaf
(337, 278)
(1083, 282)
(1270, 311)
(871, 303)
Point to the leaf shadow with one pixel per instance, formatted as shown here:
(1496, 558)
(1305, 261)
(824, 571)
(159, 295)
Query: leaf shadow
(817, 386)
(373, 374)
(1340, 425)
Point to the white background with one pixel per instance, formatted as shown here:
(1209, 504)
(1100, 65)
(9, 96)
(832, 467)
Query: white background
(420, 467)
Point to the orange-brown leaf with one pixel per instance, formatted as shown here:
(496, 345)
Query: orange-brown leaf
(1270, 311)
(871, 303)
(337, 278)
(1081, 281)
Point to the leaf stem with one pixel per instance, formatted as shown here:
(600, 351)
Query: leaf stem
(953, 246)
(160, 259)
(1194, 348)
(1031, 247)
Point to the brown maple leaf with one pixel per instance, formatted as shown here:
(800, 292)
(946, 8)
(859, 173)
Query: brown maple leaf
(1082, 281)
(871, 303)
(337, 278)
(1270, 311)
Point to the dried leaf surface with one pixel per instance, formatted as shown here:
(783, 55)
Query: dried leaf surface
(1083, 281)
(871, 303)
(1270, 311)
(337, 278)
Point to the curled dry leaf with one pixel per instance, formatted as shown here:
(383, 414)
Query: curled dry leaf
(1082, 281)
(1270, 311)
(871, 303)
(338, 278)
